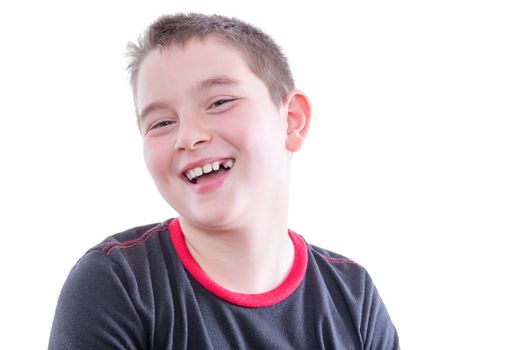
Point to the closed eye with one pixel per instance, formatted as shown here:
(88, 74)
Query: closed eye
(161, 124)
(220, 102)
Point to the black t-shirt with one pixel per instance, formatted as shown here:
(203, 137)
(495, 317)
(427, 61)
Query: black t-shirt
(141, 289)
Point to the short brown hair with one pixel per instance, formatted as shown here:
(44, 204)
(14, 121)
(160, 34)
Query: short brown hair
(261, 53)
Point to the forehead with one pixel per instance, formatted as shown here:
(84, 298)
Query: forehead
(178, 69)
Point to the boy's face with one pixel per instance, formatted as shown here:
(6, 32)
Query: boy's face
(199, 106)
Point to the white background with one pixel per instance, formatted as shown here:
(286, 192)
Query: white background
(414, 165)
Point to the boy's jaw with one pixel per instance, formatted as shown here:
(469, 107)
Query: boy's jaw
(207, 174)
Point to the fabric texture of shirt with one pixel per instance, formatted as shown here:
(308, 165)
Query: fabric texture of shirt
(142, 289)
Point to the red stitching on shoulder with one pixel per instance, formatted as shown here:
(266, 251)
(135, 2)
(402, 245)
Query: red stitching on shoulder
(126, 242)
(335, 260)
(109, 247)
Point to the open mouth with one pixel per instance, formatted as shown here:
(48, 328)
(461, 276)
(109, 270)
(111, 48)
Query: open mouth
(208, 171)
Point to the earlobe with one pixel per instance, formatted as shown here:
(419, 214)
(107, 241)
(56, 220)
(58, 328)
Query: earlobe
(298, 118)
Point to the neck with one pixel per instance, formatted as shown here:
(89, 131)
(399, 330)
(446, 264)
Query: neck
(251, 258)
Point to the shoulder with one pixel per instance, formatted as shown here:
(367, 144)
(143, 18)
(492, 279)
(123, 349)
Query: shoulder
(327, 260)
(330, 256)
(132, 237)
(129, 256)
(105, 290)
(116, 254)
(136, 243)
(341, 275)
(350, 284)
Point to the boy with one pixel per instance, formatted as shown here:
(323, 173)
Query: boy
(220, 118)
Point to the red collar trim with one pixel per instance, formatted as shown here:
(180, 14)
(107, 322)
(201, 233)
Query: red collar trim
(281, 292)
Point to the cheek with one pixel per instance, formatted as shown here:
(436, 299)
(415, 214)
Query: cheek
(262, 142)
(256, 125)
(156, 157)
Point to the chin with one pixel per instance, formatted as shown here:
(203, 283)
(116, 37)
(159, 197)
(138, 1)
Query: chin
(212, 218)
(213, 213)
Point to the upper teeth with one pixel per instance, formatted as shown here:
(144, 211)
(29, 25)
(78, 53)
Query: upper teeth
(207, 168)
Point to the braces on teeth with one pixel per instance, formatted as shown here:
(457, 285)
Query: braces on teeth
(194, 173)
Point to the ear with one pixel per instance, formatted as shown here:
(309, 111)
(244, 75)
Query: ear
(298, 118)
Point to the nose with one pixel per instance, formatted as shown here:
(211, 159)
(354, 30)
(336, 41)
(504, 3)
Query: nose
(191, 136)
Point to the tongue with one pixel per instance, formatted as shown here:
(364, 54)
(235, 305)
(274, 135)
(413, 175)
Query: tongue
(210, 176)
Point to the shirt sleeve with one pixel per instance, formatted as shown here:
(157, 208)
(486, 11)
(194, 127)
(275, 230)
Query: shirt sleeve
(95, 308)
(377, 329)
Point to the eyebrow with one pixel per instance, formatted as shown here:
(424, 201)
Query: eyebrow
(211, 82)
(152, 107)
(198, 88)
